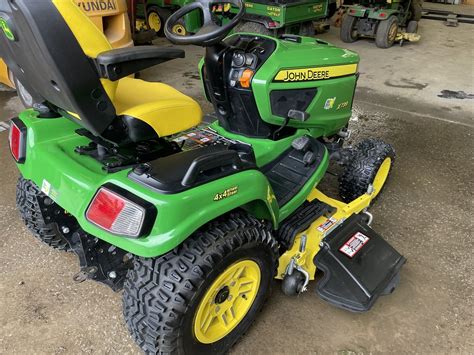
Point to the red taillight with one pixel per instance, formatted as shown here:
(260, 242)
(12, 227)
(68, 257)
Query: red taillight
(17, 139)
(105, 208)
(383, 14)
(273, 24)
(115, 213)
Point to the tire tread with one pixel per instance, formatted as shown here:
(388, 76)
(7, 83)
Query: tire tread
(158, 290)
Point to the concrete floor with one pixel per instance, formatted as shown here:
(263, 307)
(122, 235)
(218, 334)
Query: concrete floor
(425, 212)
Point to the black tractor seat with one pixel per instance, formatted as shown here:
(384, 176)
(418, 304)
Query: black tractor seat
(61, 57)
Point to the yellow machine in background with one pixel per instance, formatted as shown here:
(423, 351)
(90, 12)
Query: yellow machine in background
(110, 16)
(5, 77)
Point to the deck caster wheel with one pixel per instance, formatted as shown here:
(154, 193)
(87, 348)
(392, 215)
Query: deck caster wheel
(204, 295)
(293, 284)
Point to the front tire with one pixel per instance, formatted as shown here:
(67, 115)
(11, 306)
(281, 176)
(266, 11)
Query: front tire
(370, 164)
(204, 295)
(28, 200)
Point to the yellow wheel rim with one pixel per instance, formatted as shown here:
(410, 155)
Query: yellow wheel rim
(381, 175)
(154, 21)
(227, 301)
(179, 29)
(393, 32)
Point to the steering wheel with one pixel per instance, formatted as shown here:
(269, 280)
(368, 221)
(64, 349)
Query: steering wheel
(209, 33)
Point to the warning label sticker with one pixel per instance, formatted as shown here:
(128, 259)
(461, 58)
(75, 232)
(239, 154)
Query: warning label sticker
(327, 225)
(354, 244)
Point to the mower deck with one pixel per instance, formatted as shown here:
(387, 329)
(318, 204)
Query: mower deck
(356, 274)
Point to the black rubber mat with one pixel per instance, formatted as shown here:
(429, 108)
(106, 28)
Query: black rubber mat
(289, 173)
(300, 220)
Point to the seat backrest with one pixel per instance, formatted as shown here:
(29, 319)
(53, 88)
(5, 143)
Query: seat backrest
(48, 45)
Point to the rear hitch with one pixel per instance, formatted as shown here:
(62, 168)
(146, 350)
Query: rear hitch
(99, 260)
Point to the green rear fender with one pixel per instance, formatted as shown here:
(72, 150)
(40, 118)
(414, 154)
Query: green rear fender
(72, 180)
(180, 215)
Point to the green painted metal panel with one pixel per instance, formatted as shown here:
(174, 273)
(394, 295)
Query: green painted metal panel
(74, 180)
(310, 53)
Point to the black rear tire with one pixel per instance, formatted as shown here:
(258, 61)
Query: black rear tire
(28, 197)
(348, 32)
(361, 169)
(252, 27)
(386, 32)
(162, 295)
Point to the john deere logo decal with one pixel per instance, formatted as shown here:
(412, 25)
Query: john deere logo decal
(312, 74)
(6, 29)
(227, 193)
(329, 104)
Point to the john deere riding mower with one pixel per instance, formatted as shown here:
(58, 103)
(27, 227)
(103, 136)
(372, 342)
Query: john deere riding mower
(194, 221)
(385, 20)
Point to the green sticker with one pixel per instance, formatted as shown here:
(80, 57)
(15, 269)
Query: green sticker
(6, 29)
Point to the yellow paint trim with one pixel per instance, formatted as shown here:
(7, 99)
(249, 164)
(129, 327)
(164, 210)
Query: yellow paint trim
(75, 115)
(382, 175)
(5, 74)
(217, 316)
(316, 231)
(315, 73)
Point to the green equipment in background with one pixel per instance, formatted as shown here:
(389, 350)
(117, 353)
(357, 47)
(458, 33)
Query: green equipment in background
(386, 21)
(261, 16)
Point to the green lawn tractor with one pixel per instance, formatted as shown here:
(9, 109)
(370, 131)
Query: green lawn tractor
(195, 221)
(385, 20)
(262, 16)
